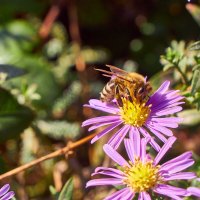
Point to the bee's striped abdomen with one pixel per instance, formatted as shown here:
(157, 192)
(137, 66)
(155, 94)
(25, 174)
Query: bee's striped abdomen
(107, 94)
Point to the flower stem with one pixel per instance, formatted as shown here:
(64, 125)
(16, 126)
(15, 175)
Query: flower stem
(183, 76)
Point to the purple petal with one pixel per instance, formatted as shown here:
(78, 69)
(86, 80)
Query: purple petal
(154, 121)
(157, 133)
(178, 166)
(99, 105)
(129, 149)
(175, 190)
(120, 194)
(103, 124)
(135, 140)
(163, 88)
(167, 120)
(158, 94)
(144, 142)
(8, 196)
(152, 141)
(181, 176)
(164, 149)
(129, 195)
(104, 181)
(114, 155)
(117, 138)
(170, 191)
(182, 157)
(109, 172)
(168, 125)
(105, 131)
(162, 129)
(146, 196)
(194, 191)
(165, 103)
(4, 189)
(169, 111)
(100, 120)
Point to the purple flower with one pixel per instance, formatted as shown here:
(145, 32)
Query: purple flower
(143, 175)
(194, 191)
(5, 194)
(151, 115)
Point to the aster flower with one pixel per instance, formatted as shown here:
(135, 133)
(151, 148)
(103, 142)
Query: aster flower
(5, 194)
(150, 115)
(194, 191)
(143, 175)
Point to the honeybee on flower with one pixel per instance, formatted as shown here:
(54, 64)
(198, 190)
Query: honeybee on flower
(148, 115)
(129, 85)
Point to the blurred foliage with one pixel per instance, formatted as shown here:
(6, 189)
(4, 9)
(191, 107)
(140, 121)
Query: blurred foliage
(42, 88)
(183, 63)
(67, 191)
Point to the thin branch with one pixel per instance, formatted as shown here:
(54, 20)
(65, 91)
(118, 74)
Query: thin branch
(63, 151)
(74, 32)
(49, 19)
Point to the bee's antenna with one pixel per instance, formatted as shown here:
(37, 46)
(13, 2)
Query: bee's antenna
(107, 75)
(112, 73)
(104, 71)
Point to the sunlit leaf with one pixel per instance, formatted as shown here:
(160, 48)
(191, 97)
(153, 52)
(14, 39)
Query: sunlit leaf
(69, 96)
(195, 85)
(190, 117)
(67, 191)
(195, 46)
(59, 129)
(53, 192)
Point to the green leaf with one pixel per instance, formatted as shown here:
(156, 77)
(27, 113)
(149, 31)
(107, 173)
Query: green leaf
(195, 46)
(59, 129)
(53, 192)
(190, 117)
(67, 191)
(195, 85)
(68, 97)
(14, 118)
(196, 67)
(14, 50)
(167, 66)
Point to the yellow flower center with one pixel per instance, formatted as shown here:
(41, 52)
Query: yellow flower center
(142, 176)
(134, 113)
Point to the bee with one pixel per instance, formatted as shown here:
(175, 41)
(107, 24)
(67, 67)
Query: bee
(124, 84)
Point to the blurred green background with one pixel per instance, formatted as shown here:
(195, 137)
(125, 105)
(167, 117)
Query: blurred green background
(48, 51)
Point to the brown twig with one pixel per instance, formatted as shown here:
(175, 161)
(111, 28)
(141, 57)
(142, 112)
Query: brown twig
(74, 32)
(54, 154)
(49, 19)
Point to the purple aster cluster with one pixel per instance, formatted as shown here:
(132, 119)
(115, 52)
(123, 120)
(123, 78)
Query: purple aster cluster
(5, 194)
(138, 124)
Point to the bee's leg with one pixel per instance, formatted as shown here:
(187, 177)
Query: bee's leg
(118, 96)
(128, 95)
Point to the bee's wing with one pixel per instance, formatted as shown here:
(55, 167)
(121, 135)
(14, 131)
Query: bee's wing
(121, 73)
(117, 70)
